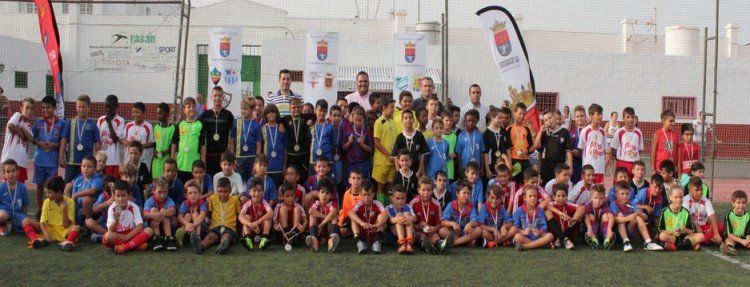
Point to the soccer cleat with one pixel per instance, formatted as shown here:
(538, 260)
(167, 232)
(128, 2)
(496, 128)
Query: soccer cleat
(376, 248)
(179, 237)
(447, 243)
(361, 247)
(223, 246)
(335, 239)
(593, 242)
(38, 243)
(627, 247)
(171, 246)
(652, 247)
(195, 242)
(246, 242)
(557, 244)
(409, 249)
(608, 242)
(158, 243)
(67, 246)
(402, 249)
(262, 243)
(312, 242)
(4, 230)
(670, 247)
(96, 238)
(490, 244)
(728, 249)
(519, 246)
(428, 246)
(568, 244)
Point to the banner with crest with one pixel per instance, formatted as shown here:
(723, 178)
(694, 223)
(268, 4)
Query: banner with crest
(510, 55)
(409, 62)
(321, 67)
(51, 43)
(225, 65)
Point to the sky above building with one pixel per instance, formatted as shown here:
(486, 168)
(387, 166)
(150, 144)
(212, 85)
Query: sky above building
(589, 16)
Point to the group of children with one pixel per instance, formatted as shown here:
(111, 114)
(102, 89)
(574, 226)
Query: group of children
(305, 179)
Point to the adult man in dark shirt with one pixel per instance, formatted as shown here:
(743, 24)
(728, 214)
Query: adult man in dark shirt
(217, 122)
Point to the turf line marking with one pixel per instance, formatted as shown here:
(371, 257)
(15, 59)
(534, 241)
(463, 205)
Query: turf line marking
(728, 259)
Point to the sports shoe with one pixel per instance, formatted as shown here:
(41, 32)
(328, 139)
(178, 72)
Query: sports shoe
(223, 246)
(4, 230)
(335, 239)
(557, 244)
(568, 244)
(409, 249)
(96, 238)
(376, 248)
(593, 242)
(627, 247)
(312, 242)
(195, 242)
(119, 249)
(158, 243)
(728, 249)
(429, 247)
(401, 249)
(262, 243)
(179, 237)
(142, 247)
(490, 244)
(653, 247)
(519, 246)
(361, 247)
(608, 242)
(171, 245)
(447, 243)
(38, 243)
(67, 246)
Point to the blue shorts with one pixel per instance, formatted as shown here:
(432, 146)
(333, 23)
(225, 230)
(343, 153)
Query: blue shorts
(42, 174)
(245, 167)
(337, 170)
(15, 218)
(71, 171)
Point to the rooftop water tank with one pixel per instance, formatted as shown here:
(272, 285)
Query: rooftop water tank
(681, 41)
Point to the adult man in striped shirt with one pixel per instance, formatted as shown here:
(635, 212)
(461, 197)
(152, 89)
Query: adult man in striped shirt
(282, 97)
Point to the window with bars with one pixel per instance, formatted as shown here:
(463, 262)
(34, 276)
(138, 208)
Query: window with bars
(21, 80)
(546, 101)
(683, 107)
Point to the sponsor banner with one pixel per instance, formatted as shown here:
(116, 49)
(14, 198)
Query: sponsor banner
(409, 62)
(224, 65)
(321, 67)
(510, 55)
(51, 43)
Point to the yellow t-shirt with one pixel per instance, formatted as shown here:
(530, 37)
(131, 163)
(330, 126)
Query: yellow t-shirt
(223, 213)
(52, 213)
(384, 130)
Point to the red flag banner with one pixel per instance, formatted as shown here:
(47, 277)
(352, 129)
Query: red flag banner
(51, 43)
(510, 55)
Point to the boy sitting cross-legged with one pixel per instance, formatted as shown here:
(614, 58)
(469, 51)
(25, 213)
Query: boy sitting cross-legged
(460, 219)
(125, 229)
(368, 219)
(324, 220)
(676, 228)
(191, 215)
(256, 216)
(58, 215)
(530, 220)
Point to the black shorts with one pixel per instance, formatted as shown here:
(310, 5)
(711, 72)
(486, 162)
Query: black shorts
(227, 230)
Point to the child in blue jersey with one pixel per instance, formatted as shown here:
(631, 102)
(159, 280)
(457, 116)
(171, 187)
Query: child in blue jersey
(531, 222)
(80, 135)
(191, 215)
(175, 189)
(85, 189)
(470, 144)
(621, 173)
(497, 225)
(649, 200)
(14, 202)
(269, 187)
(339, 124)
(98, 227)
(402, 218)
(439, 150)
(273, 137)
(471, 174)
(159, 211)
(129, 173)
(459, 219)
(322, 133)
(203, 180)
(47, 132)
(629, 218)
(243, 134)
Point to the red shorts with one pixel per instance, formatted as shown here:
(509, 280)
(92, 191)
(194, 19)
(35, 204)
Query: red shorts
(23, 175)
(626, 164)
(599, 178)
(708, 232)
(112, 170)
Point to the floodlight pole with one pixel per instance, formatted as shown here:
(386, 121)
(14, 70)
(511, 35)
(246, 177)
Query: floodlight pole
(706, 39)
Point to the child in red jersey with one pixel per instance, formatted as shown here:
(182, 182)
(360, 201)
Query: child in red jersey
(290, 218)
(255, 217)
(125, 229)
(564, 218)
(427, 213)
(599, 220)
(665, 141)
(368, 222)
(508, 187)
(689, 152)
(324, 221)
(531, 179)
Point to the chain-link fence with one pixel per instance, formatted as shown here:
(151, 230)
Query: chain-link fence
(643, 54)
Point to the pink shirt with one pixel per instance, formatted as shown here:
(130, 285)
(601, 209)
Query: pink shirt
(363, 101)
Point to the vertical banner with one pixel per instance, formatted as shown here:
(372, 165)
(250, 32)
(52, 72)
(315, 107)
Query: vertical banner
(409, 62)
(225, 64)
(321, 67)
(51, 42)
(510, 55)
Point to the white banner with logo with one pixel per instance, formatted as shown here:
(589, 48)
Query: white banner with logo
(409, 62)
(321, 67)
(510, 55)
(224, 65)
